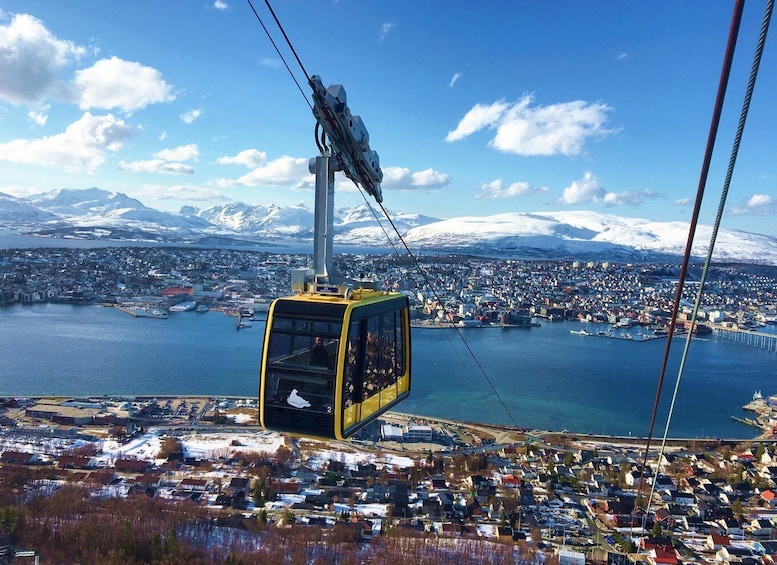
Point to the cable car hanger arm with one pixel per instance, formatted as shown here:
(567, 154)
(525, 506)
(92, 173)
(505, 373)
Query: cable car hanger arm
(350, 153)
(348, 136)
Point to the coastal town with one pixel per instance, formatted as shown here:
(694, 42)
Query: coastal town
(479, 491)
(448, 290)
(484, 492)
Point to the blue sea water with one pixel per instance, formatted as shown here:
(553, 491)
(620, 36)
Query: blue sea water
(547, 377)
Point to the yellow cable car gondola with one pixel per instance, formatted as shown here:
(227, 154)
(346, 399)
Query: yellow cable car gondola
(333, 364)
(334, 357)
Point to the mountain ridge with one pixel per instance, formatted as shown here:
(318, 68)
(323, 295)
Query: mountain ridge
(96, 213)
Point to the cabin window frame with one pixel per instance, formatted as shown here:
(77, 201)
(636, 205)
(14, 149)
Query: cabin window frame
(290, 367)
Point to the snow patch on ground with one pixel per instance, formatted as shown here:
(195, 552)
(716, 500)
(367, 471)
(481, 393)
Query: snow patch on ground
(204, 445)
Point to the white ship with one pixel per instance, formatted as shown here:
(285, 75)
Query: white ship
(187, 306)
(147, 312)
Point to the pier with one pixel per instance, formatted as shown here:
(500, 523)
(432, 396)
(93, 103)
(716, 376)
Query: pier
(761, 340)
(765, 410)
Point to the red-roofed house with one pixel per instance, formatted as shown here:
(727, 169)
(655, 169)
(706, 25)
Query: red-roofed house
(511, 481)
(665, 556)
(285, 487)
(175, 291)
(132, 466)
(17, 458)
(715, 541)
(193, 484)
(769, 497)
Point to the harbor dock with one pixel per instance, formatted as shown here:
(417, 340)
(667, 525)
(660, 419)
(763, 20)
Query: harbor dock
(766, 413)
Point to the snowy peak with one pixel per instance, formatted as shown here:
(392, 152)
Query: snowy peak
(93, 207)
(275, 220)
(546, 235)
(90, 201)
(363, 215)
(14, 211)
(587, 234)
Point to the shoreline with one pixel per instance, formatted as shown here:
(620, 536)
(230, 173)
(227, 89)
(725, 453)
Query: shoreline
(157, 357)
(499, 434)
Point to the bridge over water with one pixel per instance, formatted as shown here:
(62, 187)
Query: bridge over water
(761, 340)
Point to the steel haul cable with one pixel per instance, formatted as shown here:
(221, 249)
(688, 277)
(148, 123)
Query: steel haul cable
(721, 205)
(736, 20)
(320, 143)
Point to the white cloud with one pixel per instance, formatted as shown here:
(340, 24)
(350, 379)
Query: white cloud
(455, 77)
(760, 201)
(756, 205)
(284, 170)
(404, 179)
(271, 63)
(385, 29)
(20, 191)
(220, 5)
(622, 56)
(682, 202)
(157, 166)
(308, 182)
(586, 189)
(497, 189)
(628, 198)
(477, 118)
(40, 116)
(115, 83)
(81, 147)
(181, 153)
(30, 60)
(429, 178)
(251, 158)
(191, 115)
(181, 192)
(524, 129)
(167, 161)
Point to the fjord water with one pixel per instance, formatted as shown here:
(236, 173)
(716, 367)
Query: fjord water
(548, 378)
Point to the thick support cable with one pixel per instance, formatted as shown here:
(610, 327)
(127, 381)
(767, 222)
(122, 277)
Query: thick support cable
(321, 143)
(719, 215)
(278, 51)
(715, 122)
(458, 331)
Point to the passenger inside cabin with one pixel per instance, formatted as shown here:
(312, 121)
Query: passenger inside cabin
(318, 354)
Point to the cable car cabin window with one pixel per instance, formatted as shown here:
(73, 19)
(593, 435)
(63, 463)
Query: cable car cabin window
(352, 380)
(302, 359)
(375, 359)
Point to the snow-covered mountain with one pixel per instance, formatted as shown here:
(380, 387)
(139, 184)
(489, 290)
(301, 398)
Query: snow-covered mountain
(99, 214)
(90, 201)
(580, 233)
(96, 208)
(358, 226)
(269, 220)
(355, 226)
(19, 211)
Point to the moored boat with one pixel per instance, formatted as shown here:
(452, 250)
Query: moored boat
(147, 312)
(183, 306)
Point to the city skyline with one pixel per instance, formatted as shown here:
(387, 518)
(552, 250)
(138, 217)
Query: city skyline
(473, 111)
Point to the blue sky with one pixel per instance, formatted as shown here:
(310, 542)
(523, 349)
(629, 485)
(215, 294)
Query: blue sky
(475, 108)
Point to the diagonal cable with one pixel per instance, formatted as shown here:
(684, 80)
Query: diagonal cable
(715, 122)
(721, 205)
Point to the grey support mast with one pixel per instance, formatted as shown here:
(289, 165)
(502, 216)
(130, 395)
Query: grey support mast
(349, 152)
